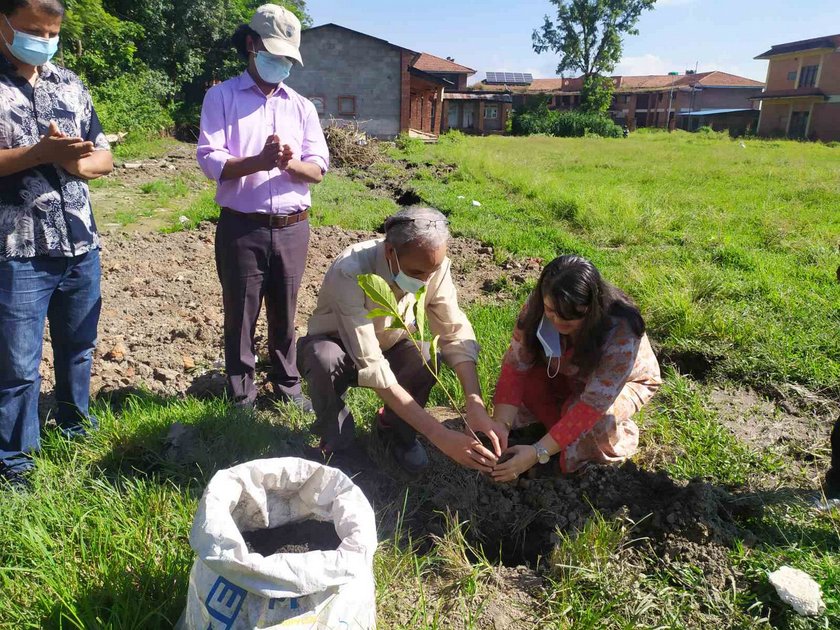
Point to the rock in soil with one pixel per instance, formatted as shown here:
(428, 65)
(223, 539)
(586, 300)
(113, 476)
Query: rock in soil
(300, 537)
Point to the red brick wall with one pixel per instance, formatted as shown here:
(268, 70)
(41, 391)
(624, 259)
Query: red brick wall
(777, 79)
(774, 119)
(825, 122)
(830, 77)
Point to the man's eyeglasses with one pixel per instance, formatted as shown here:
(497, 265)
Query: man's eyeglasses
(423, 224)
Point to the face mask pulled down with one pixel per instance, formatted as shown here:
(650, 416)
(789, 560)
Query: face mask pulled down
(29, 49)
(272, 70)
(549, 338)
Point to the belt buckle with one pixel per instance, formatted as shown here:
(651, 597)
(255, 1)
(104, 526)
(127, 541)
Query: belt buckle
(276, 220)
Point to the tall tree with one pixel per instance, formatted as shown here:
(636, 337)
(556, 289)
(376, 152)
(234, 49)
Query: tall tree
(587, 34)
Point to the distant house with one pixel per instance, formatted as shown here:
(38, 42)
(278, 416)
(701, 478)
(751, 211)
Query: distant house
(686, 101)
(802, 99)
(387, 89)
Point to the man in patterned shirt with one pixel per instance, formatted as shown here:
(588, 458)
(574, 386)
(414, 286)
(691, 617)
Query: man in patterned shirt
(51, 143)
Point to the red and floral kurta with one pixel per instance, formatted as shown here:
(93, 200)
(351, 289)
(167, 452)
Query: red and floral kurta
(571, 404)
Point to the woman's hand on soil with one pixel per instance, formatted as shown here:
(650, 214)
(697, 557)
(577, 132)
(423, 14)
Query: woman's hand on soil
(480, 422)
(465, 450)
(521, 459)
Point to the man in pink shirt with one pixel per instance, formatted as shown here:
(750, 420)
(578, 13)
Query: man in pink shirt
(262, 142)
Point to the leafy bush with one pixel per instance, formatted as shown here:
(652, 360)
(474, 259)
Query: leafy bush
(135, 102)
(408, 144)
(453, 136)
(563, 124)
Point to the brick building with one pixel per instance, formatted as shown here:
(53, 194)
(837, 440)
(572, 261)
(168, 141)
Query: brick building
(802, 99)
(673, 100)
(386, 88)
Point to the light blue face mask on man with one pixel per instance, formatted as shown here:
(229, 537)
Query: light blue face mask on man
(403, 281)
(29, 49)
(272, 70)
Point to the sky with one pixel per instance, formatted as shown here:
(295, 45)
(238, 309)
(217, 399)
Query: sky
(495, 35)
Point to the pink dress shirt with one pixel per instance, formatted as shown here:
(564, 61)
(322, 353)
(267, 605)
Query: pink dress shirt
(236, 120)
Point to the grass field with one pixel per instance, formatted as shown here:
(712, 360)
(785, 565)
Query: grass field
(731, 251)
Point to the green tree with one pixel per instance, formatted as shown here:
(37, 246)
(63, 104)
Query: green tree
(95, 44)
(596, 94)
(587, 34)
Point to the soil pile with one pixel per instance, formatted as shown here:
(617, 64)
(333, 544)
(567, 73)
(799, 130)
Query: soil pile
(300, 537)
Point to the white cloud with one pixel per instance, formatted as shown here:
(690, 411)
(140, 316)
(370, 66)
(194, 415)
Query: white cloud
(645, 64)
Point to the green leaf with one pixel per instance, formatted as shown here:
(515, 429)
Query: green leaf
(420, 313)
(433, 351)
(379, 292)
(379, 312)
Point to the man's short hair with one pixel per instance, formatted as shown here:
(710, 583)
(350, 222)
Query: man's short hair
(51, 7)
(417, 225)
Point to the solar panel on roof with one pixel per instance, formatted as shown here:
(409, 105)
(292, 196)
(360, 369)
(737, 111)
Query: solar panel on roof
(509, 78)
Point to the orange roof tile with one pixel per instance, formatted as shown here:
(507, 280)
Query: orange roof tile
(431, 63)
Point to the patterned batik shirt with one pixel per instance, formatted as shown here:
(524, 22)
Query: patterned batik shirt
(45, 211)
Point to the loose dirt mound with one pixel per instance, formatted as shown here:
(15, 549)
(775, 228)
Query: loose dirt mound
(161, 326)
(521, 518)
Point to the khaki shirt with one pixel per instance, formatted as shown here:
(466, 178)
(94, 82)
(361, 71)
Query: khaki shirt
(343, 307)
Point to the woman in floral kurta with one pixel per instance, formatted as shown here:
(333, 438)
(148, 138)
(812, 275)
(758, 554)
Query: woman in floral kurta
(581, 364)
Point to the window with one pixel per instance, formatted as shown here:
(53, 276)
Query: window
(808, 76)
(346, 105)
(320, 103)
(491, 112)
(792, 75)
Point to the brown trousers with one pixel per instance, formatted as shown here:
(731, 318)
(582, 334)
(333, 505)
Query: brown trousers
(257, 263)
(330, 372)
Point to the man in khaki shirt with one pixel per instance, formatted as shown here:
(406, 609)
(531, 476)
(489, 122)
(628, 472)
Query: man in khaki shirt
(345, 348)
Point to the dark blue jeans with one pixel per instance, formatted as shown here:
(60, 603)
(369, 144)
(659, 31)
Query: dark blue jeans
(65, 290)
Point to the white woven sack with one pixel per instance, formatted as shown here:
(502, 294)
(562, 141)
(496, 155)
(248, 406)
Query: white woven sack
(232, 589)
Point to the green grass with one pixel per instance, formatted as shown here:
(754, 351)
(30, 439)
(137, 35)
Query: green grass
(731, 253)
(142, 146)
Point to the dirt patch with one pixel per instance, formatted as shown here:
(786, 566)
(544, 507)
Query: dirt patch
(162, 320)
(692, 524)
(299, 537)
(795, 428)
(506, 598)
(180, 158)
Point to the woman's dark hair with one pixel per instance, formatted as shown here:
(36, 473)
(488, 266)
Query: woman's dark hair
(575, 287)
(51, 7)
(239, 39)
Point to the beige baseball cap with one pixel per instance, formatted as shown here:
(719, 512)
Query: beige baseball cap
(279, 29)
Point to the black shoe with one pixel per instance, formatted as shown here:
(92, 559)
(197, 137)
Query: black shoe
(79, 430)
(298, 400)
(18, 479)
(411, 457)
(832, 483)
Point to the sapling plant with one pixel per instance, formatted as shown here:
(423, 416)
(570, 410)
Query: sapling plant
(381, 294)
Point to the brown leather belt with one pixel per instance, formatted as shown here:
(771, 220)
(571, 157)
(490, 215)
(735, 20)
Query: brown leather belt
(272, 220)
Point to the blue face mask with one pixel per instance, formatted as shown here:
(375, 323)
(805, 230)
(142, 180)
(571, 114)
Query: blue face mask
(272, 70)
(549, 338)
(29, 49)
(404, 282)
